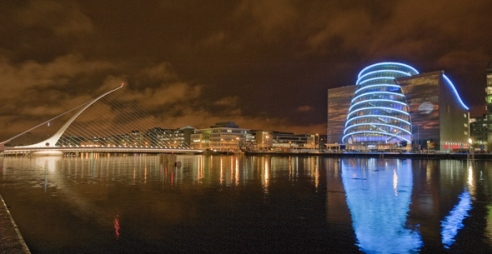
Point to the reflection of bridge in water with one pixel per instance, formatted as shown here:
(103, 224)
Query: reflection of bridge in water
(117, 126)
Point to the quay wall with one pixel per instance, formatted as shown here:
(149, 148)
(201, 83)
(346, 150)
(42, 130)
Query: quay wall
(435, 156)
(11, 240)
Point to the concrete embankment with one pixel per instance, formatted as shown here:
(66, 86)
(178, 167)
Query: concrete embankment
(432, 156)
(11, 240)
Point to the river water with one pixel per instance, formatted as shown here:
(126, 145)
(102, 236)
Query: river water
(248, 204)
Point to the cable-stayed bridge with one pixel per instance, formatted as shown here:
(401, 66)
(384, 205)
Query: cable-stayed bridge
(110, 123)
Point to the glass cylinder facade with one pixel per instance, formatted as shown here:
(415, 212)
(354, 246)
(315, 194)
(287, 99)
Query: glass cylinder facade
(378, 113)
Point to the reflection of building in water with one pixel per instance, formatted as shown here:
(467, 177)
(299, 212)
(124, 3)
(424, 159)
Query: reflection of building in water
(337, 212)
(453, 222)
(441, 199)
(378, 196)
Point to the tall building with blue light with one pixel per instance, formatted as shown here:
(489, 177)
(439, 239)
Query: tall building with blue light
(379, 112)
(393, 106)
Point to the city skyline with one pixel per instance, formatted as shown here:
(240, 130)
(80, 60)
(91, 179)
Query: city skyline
(264, 65)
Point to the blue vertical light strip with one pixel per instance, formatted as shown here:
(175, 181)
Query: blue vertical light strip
(455, 91)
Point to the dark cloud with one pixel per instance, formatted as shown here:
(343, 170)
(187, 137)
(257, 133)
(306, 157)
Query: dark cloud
(263, 64)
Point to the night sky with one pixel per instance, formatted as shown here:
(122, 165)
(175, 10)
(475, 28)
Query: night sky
(263, 64)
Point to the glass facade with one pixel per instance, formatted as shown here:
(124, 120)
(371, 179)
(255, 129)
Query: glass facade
(379, 112)
(488, 98)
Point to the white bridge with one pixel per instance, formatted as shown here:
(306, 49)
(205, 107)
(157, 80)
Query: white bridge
(81, 139)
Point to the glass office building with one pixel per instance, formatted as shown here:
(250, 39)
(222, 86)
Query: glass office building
(379, 111)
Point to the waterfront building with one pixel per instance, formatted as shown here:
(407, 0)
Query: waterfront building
(183, 134)
(393, 106)
(137, 138)
(277, 140)
(378, 112)
(223, 136)
(228, 137)
(262, 140)
(488, 91)
(479, 132)
(172, 138)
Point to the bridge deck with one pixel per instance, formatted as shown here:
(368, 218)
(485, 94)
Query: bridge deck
(67, 150)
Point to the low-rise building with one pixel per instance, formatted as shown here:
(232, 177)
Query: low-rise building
(223, 136)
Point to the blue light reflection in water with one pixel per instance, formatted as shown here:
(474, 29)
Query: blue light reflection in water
(454, 221)
(378, 196)
(248, 204)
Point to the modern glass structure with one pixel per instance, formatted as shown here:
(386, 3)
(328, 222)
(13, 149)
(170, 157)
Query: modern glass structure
(488, 91)
(379, 113)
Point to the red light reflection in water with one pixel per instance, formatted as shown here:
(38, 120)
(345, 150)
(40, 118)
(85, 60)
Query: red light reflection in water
(117, 227)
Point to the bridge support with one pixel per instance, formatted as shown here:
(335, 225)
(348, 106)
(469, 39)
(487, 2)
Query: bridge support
(51, 141)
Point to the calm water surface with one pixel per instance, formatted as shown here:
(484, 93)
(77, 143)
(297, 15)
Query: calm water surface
(249, 204)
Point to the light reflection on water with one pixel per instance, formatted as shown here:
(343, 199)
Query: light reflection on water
(148, 203)
(379, 196)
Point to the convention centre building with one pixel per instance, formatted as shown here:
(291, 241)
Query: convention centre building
(394, 107)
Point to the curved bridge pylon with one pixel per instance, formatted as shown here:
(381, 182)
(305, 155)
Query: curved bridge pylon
(51, 141)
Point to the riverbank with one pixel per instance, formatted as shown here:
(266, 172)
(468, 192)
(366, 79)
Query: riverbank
(11, 240)
(432, 155)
